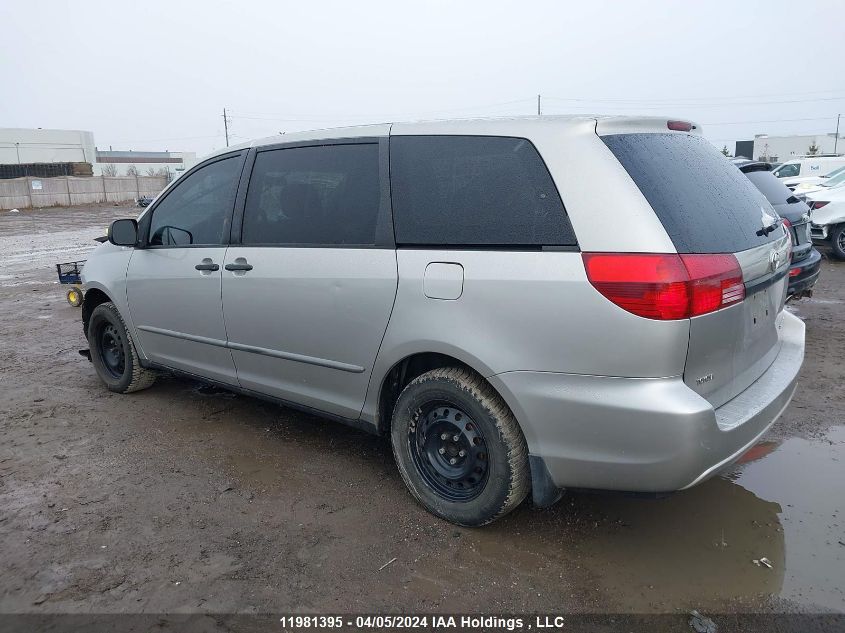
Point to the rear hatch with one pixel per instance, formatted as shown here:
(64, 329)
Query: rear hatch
(707, 206)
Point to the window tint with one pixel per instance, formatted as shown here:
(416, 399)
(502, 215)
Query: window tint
(313, 195)
(198, 210)
(474, 191)
(705, 203)
(788, 171)
(775, 191)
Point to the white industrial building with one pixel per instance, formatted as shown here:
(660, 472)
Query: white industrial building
(22, 146)
(45, 152)
(782, 148)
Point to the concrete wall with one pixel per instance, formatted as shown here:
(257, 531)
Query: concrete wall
(21, 193)
(22, 145)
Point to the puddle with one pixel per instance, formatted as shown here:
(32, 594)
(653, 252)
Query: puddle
(695, 549)
(807, 478)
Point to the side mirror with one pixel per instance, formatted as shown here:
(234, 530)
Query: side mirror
(123, 233)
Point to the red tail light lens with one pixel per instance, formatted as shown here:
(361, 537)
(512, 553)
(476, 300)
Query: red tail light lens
(665, 286)
(679, 126)
(819, 204)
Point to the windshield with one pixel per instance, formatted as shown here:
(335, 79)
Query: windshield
(834, 178)
(788, 170)
(836, 172)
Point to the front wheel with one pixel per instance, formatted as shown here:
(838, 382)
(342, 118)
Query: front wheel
(113, 352)
(837, 241)
(459, 448)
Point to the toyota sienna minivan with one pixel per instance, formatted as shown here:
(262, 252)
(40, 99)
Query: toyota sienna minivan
(522, 305)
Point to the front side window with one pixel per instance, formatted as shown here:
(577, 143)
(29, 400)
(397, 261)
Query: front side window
(474, 191)
(198, 210)
(326, 195)
(788, 171)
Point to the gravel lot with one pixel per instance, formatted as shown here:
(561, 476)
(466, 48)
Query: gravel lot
(184, 499)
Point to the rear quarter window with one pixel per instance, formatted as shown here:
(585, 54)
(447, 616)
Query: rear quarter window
(704, 202)
(474, 191)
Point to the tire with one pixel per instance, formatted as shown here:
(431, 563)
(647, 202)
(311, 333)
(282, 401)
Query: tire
(113, 352)
(491, 478)
(837, 241)
(74, 297)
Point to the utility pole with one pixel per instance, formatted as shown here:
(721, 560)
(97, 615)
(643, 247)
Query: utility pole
(226, 126)
(539, 111)
(836, 138)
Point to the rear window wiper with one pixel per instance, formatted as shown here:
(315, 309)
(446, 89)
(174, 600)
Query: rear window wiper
(768, 229)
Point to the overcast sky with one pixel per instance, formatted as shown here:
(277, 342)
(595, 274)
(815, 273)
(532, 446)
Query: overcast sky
(156, 75)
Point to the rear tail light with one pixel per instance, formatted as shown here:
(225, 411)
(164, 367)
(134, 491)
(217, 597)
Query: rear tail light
(794, 272)
(665, 286)
(819, 204)
(679, 126)
(787, 226)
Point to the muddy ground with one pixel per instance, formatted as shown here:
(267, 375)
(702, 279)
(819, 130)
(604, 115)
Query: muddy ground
(180, 499)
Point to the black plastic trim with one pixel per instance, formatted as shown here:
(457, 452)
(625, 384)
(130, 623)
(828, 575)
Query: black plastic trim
(763, 283)
(355, 423)
(544, 492)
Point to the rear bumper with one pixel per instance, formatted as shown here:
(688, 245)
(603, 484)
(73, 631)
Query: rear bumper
(645, 434)
(808, 272)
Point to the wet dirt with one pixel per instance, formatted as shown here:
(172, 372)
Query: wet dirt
(186, 499)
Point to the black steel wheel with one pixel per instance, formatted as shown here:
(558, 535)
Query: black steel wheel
(110, 348)
(459, 448)
(449, 450)
(113, 353)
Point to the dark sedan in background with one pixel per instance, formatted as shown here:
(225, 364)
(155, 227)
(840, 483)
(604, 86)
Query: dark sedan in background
(806, 260)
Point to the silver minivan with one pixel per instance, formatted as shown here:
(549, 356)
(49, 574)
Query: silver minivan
(522, 305)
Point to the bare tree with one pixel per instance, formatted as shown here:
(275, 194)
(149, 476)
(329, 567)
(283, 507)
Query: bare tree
(110, 170)
(152, 171)
(813, 149)
(131, 170)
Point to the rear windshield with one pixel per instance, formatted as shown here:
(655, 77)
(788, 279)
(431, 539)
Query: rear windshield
(775, 191)
(705, 203)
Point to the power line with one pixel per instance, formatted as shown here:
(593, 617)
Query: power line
(708, 100)
(821, 118)
(263, 116)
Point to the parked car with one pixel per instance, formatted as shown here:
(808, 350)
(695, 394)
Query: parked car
(144, 201)
(828, 219)
(807, 166)
(522, 305)
(806, 261)
(835, 178)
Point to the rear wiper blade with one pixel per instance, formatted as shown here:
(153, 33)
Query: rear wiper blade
(768, 229)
